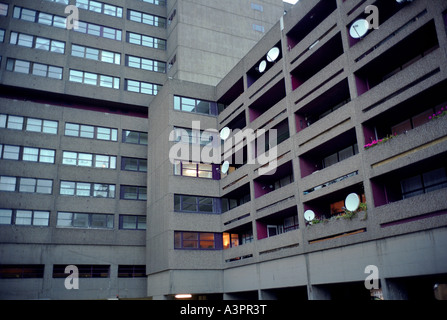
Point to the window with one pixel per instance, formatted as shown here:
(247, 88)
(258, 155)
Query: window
(145, 64)
(24, 217)
(106, 162)
(142, 87)
(197, 240)
(39, 17)
(290, 223)
(187, 135)
(95, 54)
(231, 240)
(39, 125)
(258, 28)
(85, 271)
(146, 18)
(59, 1)
(196, 170)
(24, 14)
(100, 7)
(88, 160)
(85, 220)
(156, 2)
(21, 39)
(5, 216)
(19, 66)
(231, 203)
(33, 185)
(3, 9)
(187, 203)
(38, 155)
(92, 79)
(77, 159)
(195, 106)
(133, 193)
(146, 41)
(101, 190)
(423, 183)
(130, 222)
(134, 164)
(78, 130)
(36, 69)
(21, 271)
(34, 125)
(10, 152)
(90, 132)
(136, 137)
(131, 271)
(8, 183)
(11, 122)
(257, 7)
(340, 155)
(87, 189)
(99, 31)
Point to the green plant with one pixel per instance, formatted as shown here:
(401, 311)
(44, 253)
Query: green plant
(350, 214)
(346, 215)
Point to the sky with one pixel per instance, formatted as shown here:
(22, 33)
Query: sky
(291, 1)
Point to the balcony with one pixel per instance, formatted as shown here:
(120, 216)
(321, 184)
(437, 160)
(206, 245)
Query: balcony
(332, 178)
(239, 255)
(429, 139)
(332, 221)
(399, 62)
(424, 173)
(266, 184)
(406, 115)
(326, 103)
(424, 211)
(267, 100)
(257, 79)
(329, 152)
(314, 19)
(331, 206)
(320, 60)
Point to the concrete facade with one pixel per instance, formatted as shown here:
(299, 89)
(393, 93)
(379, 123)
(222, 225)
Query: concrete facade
(326, 260)
(211, 37)
(240, 235)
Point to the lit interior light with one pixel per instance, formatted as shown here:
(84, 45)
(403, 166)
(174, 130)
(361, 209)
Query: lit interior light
(183, 296)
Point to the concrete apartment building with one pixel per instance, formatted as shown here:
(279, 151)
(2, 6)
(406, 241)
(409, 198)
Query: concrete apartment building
(89, 123)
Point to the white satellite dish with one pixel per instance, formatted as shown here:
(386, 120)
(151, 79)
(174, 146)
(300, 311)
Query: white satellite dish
(352, 202)
(225, 167)
(262, 66)
(359, 28)
(225, 133)
(273, 54)
(309, 215)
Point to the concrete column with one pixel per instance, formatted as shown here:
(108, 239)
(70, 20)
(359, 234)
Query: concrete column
(393, 290)
(318, 293)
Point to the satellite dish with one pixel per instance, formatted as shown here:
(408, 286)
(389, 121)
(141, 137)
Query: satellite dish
(225, 133)
(273, 54)
(359, 28)
(225, 167)
(309, 215)
(352, 202)
(262, 66)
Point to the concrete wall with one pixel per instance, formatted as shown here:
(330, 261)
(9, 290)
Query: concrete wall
(213, 36)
